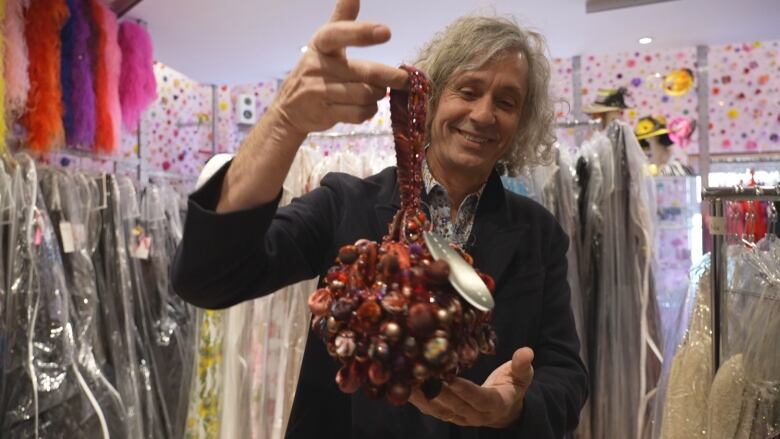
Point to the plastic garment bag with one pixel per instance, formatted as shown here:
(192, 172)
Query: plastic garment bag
(618, 300)
(10, 329)
(744, 400)
(118, 332)
(45, 395)
(36, 315)
(167, 323)
(681, 402)
(559, 196)
(132, 241)
(72, 201)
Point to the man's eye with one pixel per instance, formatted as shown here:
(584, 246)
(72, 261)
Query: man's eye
(467, 93)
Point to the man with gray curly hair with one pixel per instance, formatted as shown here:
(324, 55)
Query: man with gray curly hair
(489, 108)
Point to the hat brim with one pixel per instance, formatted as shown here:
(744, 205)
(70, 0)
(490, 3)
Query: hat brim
(655, 133)
(598, 108)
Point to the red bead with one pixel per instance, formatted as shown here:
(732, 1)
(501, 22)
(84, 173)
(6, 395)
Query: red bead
(487, 340)
(349, 378)
(379, 350)
(320, 301)
(342, 308)
(395, 303)
(398, 393)
(421, 319)
(438, 272)
(491, 284)
(369, 311)
(421, 372)
(468, 351)
(421, 293)
(378, 374)
(392, 331)
(348, 254)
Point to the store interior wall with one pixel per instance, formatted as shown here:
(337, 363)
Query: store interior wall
(191, 121)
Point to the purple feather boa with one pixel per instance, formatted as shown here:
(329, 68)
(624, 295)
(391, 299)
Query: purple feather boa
(80, 99)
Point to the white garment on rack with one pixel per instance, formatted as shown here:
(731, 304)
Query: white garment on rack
(688, 389)
(726, 394)
(618, 296)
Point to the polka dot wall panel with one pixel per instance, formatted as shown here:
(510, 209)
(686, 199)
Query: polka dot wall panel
(744, 106)
(176, 131)
(230, 133)
(744, 90)
(561, 90)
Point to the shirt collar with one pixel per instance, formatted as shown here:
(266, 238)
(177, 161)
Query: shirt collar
(430, 183)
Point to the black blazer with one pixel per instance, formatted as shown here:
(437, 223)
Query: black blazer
(228, 258)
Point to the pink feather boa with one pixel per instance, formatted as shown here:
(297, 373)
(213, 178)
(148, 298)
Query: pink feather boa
(3, 126)
(137, 84)
(17, 83)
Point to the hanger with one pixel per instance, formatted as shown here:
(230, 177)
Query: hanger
(8, 159)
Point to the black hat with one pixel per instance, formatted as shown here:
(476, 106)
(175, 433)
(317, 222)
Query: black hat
(608, 100)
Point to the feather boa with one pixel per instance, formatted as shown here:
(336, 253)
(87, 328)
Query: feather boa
(77, 87)
(107, 69)
(137, 85)
(68, 43)
(43, 118)
(17, 84)
(3, 126)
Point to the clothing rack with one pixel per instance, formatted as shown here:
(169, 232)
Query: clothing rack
(576, 123)
(129, 164)
(383, 133)
(774, 158)
(717, 196)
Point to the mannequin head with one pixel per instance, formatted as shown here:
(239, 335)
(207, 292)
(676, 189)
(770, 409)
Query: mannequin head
(653, 135)
(608, 106)
(606, 117)
(659, 152)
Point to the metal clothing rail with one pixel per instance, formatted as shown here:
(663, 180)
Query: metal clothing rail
(577, 123)
(718, 196)
(769, 158)
(383, 133)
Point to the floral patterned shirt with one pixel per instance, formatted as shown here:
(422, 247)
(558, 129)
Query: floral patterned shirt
(440, 213)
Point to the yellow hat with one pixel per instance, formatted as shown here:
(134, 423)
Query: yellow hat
(678, 82)
(650, 126)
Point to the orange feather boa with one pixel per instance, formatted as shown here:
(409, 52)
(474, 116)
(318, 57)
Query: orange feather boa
(43, 118)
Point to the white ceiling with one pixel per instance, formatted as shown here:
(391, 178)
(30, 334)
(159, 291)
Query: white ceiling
(246, 41)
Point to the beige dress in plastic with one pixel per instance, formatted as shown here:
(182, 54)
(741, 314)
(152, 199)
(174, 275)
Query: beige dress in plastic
(688, 389)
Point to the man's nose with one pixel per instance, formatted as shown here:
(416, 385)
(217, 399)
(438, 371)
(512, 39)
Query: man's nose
(483, 111)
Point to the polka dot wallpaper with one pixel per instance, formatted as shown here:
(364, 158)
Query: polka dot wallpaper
(379, 123)
(561, 90)
(644, 75)
(744, 90)
(229, 133)
(176, 131)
